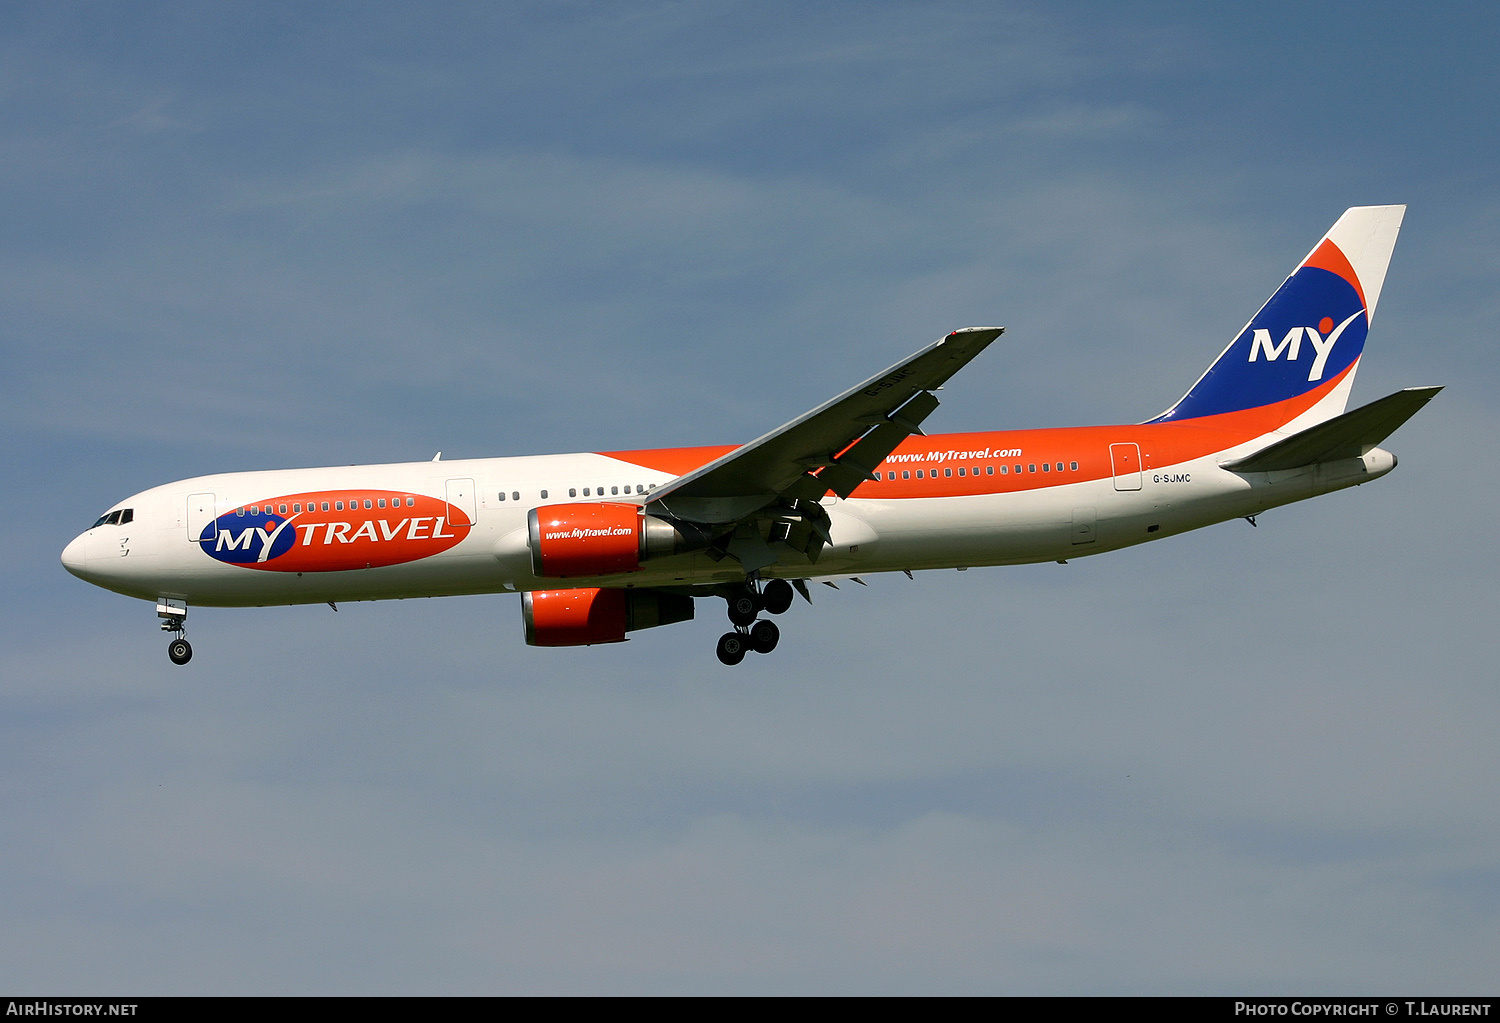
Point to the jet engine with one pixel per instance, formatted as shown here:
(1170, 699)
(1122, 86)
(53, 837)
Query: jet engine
(582, 617)
(582, 540)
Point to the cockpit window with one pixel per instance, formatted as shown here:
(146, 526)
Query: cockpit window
(128, 515)
(118, 517)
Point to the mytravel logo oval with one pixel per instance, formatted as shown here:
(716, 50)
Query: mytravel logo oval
(334, 531)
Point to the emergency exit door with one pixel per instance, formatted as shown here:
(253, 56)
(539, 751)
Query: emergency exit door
(461, 497)
(1126, 460)
(201, 523)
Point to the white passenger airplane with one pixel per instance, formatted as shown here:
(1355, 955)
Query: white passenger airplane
(602, 544)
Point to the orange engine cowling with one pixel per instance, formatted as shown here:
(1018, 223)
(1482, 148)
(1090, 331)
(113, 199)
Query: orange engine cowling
(573, 540)
(582, 617)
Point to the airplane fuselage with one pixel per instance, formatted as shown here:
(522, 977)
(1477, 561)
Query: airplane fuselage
(441, 528)
(602, 544)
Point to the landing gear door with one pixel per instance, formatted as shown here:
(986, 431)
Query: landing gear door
(461, 497)
(201, 524)
(1126, 460)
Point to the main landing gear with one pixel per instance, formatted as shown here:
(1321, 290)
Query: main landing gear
(745, 605)
(173, 615)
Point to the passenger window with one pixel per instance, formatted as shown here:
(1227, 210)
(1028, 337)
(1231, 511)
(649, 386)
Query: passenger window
(960, 470)
(255, 509)
(281, 509)
(380, 502)
(544, 495)
(325, 505)
(919, 474)
(639, 489)
(339, 505)
(572, 491)
(614, 490)
(585, 491)
(1018, 469)
(906, 474)
(369, 503)
(1046, 467)
(947, 472)
(502, 495)
(296, 506)
(1073, 466)
(515, 495)
(989, 470)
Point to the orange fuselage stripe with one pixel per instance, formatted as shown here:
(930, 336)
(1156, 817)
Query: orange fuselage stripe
(1161, 444)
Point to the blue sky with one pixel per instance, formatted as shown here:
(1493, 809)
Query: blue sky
(1240, 761)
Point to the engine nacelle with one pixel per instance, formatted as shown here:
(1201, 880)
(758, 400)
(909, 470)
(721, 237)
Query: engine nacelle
(582, 617)
(571, 541)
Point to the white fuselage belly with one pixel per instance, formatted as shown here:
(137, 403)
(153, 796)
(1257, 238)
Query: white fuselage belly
(154, 555)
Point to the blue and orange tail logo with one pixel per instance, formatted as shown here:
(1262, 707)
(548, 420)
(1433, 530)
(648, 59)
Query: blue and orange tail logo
(1309, 334)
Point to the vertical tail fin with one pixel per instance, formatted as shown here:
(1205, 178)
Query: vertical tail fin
(1301, 350)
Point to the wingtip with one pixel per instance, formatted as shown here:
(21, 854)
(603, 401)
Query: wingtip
(983, 335)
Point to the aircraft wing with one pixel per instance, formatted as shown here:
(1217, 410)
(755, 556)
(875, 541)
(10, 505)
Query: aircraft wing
(834, 447)
(1347, 436)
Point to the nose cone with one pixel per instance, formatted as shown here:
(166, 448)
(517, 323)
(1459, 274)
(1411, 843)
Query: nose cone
(75, 555)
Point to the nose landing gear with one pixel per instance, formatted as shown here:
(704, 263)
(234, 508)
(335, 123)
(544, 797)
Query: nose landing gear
(745, 605)
(173, 615)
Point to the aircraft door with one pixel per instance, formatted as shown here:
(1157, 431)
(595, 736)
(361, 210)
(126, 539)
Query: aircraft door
(200, 518)
(461, 496)
(1126, 460)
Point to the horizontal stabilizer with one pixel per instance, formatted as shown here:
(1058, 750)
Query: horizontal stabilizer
(1347, 436)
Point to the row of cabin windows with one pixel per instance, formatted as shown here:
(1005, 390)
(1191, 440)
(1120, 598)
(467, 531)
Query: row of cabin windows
(312, 506)
(121, 516)
(118, 517)
(640, 488)
(989, 470)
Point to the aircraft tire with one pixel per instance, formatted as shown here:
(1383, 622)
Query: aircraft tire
(777, 596)
(764, 637)
(179, 651)
(731, 648)
(744, 606)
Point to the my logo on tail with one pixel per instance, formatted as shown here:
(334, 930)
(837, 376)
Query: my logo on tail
(1322, 340)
